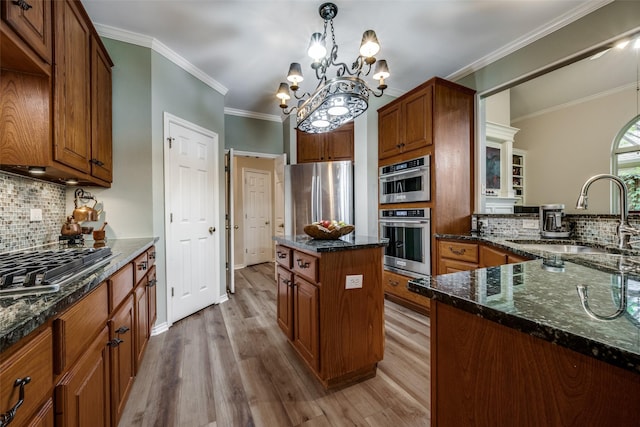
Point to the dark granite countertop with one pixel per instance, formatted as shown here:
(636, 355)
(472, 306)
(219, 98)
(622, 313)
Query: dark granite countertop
(19, 316)
(540, 298)
(345, 243)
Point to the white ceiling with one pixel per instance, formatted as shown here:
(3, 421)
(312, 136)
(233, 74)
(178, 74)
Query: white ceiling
(246, 46)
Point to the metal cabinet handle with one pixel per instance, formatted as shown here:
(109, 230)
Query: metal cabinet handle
(151, 283)
(152, 255)
(115, 342)
(142, 265)
(302, 264)
(8, 416)
(282, 255)
(24, 6)
(457, 252)
(287, 282)
(122, 330)
(96, 162)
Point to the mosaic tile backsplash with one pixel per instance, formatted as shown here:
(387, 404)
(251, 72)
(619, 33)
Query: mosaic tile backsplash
(17, 196)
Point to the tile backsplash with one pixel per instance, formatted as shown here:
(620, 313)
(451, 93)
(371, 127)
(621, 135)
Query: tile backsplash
(18, 195)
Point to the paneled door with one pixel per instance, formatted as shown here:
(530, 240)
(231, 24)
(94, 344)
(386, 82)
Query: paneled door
(193, 229)
(257, 213)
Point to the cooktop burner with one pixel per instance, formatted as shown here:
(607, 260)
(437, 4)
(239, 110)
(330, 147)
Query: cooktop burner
(35, 272)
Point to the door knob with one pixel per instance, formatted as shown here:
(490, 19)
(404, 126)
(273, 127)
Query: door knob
(211, 230)
(266, 223)
(235, 227)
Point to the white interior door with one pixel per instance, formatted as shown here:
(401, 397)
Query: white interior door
(192, 225)
(229, 220)
(278, 195)
(257, 206)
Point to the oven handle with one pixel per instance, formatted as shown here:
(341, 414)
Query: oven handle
(404, 222)
(416, 171)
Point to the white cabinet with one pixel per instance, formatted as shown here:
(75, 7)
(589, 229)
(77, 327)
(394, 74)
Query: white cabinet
(498, 191)
(518, 176)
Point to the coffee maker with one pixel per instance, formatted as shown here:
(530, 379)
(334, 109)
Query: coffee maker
(551, 225)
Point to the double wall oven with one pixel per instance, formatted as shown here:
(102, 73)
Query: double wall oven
(404, 218)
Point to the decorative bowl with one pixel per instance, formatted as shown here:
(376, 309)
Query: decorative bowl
(319, 232)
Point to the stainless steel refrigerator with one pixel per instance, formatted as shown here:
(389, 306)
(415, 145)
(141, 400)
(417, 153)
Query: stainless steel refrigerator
(318, 191)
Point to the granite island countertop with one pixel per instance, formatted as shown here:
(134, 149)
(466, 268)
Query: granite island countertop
(540, 298)
(19, 316)
(345, 243)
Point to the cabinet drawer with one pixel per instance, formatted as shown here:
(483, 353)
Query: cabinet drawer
(460, 251)
(140, 267)
(151, 256)
(283, 256)
(396, 285)
(33, 361)
(120, 284)
(75, 328)
(305, 266)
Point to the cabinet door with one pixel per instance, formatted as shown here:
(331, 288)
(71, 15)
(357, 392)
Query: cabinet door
(152, 297)
(122, 356)
(310, 147)
(82, 396)
(101, 155)
(417, 119)
(306, 322)
(31, 20)
(142, 322)
(285, 301)
(389, 132)
(339, 143)
(72, 136)
(446, 266)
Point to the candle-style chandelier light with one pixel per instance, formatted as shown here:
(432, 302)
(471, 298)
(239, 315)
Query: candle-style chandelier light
(341, 98)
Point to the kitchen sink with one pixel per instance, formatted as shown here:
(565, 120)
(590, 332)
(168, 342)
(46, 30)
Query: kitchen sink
(561, 248)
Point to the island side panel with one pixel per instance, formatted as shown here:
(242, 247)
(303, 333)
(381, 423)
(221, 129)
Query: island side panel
(486, 374)
(352, 320)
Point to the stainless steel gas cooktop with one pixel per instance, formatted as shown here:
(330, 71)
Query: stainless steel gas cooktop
(39, 272)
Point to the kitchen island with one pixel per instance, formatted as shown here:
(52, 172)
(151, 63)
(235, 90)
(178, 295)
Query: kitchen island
(514, 345)
(330, 304)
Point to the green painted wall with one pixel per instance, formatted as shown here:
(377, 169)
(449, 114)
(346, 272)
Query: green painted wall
(255, 135)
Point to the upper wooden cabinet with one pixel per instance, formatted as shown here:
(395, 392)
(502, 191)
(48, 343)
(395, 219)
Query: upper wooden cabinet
(77, 86)
(31, 21)
(326, 147)
(406, 124)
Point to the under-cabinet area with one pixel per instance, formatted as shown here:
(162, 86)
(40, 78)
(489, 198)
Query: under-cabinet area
(330, 305)
(77, 364)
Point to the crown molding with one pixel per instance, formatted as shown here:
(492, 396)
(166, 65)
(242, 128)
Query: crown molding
(162, 49)
(562, 21)
(252, 115)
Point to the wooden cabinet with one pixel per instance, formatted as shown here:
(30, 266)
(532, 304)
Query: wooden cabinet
(44, 417)
(33, 361)
(142, 322)
(406, 124)
(152, 290)
(395, 289)
(338, 332)
(120, 285)
(454, 256)
(122, 347)
(325, 147)
(71, 90)
(305, 327)
(73, 140)
(31, 21)
(82, 397)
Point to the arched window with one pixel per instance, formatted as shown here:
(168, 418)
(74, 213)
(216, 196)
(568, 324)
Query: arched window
(626, 160)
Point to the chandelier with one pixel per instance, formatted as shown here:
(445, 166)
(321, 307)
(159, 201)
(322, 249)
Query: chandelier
(339, 99)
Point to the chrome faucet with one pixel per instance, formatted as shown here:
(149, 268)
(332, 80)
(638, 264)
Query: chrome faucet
(624, 230)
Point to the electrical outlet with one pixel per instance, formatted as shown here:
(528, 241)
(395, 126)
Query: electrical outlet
(353, 281)
(35, 215)
(530, 224)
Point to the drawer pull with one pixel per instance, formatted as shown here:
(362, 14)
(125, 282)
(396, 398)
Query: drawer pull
(142, 265)
(457, 251)
(151, 283)
(115, 342)
(302, 264)
(122, 330)
(8, 416)
(96, 162)
(287, 282)
(394, 282)
(282, 255)
(22, 4)
(152, 255)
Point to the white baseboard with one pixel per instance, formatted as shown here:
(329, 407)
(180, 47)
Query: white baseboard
(238, 266)
(159, 329)
(223, 298)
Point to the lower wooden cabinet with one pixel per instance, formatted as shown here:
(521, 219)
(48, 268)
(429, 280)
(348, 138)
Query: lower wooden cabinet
(33, 361)
(455, 256)
(395, 289)
(82, 397)
(142, 322)
(284, 303)
(152, 309)
(305, 301)
(122, 346)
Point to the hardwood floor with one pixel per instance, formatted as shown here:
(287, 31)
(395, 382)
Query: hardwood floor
(230, 365)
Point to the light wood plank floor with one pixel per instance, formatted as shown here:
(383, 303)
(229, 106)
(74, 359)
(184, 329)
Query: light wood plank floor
(230, 365)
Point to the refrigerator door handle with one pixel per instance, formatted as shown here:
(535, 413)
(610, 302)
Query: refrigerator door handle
(314, 199)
